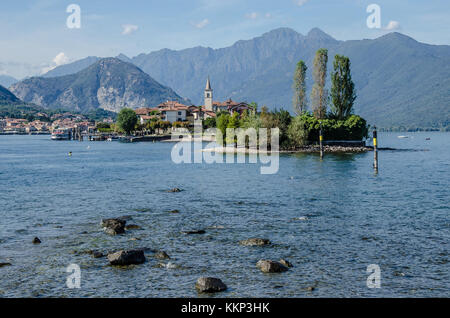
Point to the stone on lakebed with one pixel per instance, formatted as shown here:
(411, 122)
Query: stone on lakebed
(268, 266)
(127, 257)
(255, 242)
(210, 285)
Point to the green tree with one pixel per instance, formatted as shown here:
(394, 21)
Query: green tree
(319, 94)
(127, 119)
(297, 134)
(222, 123)
(283, 119)
(343, 89)
(234, 121)
(300, 101)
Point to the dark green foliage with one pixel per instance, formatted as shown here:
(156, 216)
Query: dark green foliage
(209, 122)
(343, 89)
(100, 114)
(352, 128)
(222, 122)
(127, 120)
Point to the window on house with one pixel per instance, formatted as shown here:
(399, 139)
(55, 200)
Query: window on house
(179, 113)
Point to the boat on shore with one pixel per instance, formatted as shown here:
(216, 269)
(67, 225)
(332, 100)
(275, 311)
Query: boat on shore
(60, 134)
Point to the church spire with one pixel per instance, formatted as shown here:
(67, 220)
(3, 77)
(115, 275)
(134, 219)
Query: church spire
(208, 96)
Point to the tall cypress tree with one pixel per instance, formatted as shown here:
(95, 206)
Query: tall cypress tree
(343, 89)
(300, 100)
(319, 94)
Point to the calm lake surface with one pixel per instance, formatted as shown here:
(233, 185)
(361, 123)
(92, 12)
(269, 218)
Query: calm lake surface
(330, 218)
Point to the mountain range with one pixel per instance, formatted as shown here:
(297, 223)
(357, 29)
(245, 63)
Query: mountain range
(108, 83)
(399, 81)
(7, 81)
(6, 97)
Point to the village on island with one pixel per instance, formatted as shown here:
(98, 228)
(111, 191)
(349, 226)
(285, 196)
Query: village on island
(324, 122)
(166, 116)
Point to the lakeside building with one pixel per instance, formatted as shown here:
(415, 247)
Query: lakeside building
(173, 111)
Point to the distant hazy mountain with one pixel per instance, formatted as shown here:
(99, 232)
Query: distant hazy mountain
(7, 81)
(109, 83)
(6, 97)
(399, 81)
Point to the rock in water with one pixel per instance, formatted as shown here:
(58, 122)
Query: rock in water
(36, 240)
(267, 266)
(210, 285)
(114, 226)
(286, 263)
(255, 242)
(96, 254)
(5, 264)
(175, 190)
(195, 232)
(162, 255)
(128, 257)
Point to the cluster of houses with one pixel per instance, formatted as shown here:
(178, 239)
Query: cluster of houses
(173, 111)
(24, 126)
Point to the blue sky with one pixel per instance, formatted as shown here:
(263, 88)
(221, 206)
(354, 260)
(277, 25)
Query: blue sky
(34, 36)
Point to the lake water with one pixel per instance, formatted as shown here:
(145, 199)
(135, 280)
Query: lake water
(330, 219)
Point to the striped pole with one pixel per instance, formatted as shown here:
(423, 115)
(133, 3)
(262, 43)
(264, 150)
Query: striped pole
(375, 149)
(321, 141)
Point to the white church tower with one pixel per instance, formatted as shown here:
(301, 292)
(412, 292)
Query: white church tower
(208, 96)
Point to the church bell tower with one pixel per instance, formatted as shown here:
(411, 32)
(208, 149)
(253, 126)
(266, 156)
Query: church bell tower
(208, 96)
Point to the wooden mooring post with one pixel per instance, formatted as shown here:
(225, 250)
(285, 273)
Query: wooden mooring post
(321, 140)
(375, 150)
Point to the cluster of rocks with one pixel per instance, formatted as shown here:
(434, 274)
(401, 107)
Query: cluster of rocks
(326, 148)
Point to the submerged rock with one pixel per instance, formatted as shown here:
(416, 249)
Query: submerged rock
(97, 254)
(210, 285)
(174, 211)
(195, 232)
(268, 266)
(255, 242)
(5, 264)
(132, 227)
(162, 255)
(169, 265)
(127, 257)
(114, 226)
(36, 240)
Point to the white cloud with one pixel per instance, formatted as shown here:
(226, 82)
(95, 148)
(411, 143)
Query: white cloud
(129, 28)
(252, 15)
(201, 24)
(301, 2)
(392, 25)
(58, 60)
